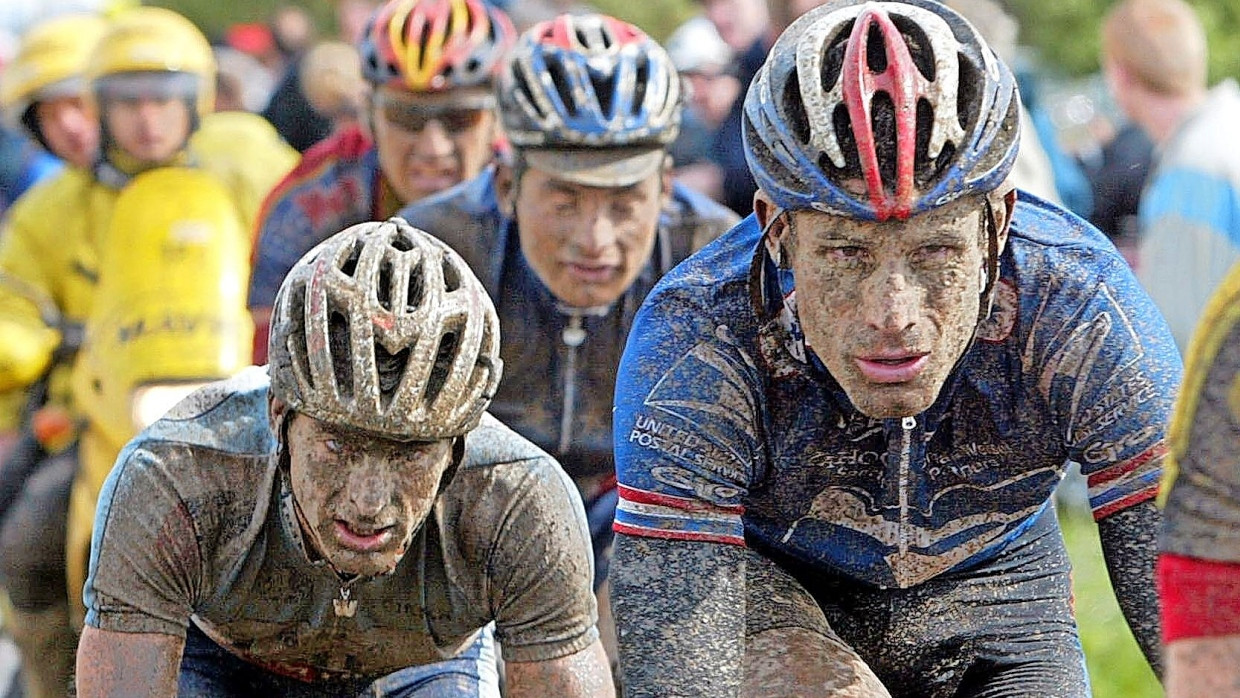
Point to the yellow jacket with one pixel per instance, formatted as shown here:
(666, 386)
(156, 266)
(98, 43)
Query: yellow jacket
(52, 237)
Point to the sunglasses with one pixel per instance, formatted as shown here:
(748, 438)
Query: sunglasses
(413, 118)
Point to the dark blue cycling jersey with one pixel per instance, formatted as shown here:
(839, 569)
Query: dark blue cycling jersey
(729, 429)
(559, 363)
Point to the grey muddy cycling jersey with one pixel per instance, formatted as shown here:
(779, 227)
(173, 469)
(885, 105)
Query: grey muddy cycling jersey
(196, 520)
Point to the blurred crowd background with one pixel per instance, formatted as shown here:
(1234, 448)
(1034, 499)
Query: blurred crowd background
(274, 51)
(293, 61)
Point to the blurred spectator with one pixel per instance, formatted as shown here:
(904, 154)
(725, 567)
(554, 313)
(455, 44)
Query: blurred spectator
(42, 89)
(242, 83)
(1034, 171)
(22, 164)
(1117, 173)
(255, 40)
(293, 30)
(1154, 60)
(783, 12)
(288, 109)
(704, 61)
(331, 79)
(746, 27)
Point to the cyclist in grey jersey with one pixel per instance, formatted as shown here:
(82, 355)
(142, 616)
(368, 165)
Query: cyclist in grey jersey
(358, 524)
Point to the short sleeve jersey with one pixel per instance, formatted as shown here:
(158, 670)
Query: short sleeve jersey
(196, 521)
(1202, 518)
(729, 429)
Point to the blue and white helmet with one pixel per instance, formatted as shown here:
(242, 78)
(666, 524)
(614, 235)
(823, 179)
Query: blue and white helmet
(878, 110)
(589, 80)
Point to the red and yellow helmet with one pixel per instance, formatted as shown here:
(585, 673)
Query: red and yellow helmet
(435, 45)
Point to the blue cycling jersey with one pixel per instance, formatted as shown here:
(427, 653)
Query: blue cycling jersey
(729, 429)
(559, 362)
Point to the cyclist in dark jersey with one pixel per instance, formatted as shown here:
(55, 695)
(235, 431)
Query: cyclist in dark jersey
(357, 526)
(571, 236)
(1199, 564)
(839, 426)
(431, 125)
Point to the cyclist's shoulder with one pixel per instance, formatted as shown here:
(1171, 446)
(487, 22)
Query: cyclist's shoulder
(493, 443)
(1218, 332)
(227, 417)
(714, 280)
(1053, 256)
(342, 164)
(501, 469)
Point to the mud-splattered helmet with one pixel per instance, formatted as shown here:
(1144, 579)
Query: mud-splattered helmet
(589, 80)
(385, 329)
(435, 45)
(878, 110)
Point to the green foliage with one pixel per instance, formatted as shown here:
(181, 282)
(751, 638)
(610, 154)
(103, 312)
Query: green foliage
(1117, 669)
(1065, 33)
(215, 16)
(658, 18)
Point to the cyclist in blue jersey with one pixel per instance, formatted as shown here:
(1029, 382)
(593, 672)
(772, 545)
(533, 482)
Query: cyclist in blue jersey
(839, 426)
(571, 235)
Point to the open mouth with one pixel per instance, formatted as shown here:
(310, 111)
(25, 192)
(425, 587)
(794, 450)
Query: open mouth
(892, 369)
(362, 538)
(591, 273)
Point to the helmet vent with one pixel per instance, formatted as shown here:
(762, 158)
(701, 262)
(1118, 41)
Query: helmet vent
(297, 318)
(841, 122)
(445, 356)
(401, 242)
(390, 369)
(968, 92)
(415, 294)
(523, 87)
(876, 49)
(348, 266)
(338, 342)
(639, 90)
(424, 39)
(451, 276)
(383, 289)
(883, 120)
(918, 44)
(799, 120)
(604, 89)
(558, 78)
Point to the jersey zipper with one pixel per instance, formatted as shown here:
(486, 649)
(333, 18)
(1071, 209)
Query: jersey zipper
(907, 425)
(573, 336)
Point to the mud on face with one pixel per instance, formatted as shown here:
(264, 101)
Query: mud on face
(889, 307)
(362, 497)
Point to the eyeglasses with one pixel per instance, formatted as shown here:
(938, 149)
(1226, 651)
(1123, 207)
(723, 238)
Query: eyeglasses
(413, 118)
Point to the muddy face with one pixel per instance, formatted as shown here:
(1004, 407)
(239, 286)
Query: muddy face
(889, 307)
(588, 244)
(362, 497)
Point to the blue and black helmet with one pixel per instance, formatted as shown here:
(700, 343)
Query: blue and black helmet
(589, 80)
(878, 110)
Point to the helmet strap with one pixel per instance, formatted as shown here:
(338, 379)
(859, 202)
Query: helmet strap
(990, 271)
